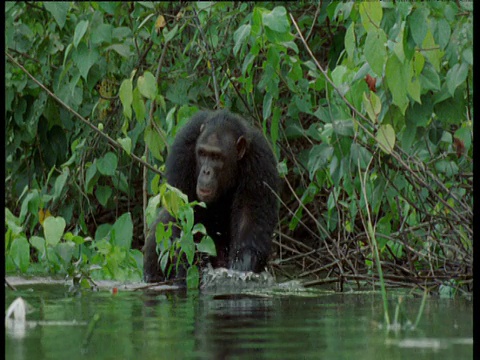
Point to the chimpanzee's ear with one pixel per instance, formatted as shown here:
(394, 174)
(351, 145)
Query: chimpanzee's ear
(241, 147)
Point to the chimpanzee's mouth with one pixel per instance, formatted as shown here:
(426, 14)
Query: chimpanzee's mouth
(204, 194)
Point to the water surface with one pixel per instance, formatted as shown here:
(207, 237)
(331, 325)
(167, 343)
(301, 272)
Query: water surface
(177, 325)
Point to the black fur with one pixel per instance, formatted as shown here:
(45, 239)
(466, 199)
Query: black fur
(242, 220)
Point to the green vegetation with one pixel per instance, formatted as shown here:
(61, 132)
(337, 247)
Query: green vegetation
(368, 106)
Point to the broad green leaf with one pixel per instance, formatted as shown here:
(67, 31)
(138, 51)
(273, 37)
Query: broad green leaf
(396, 75)
(147, 85)
(53, 228)
(418, 24)
(80, 30)
(188, 247)
(126, 97)
(103, 193)
(398, 47)
(239, 37)
(38, 243)
(12, 222)
(465, 134)
(126, 144)
(375, 50)
(456, 76)
(102, 232)
(59, 10)
(138, 105)
(276, 19)
(154, 142)
(386, 138)
(414, 89)
(267, 106)
(107, 164)
(102, 33)
(65, 250)
(360, 155)
(122, 49)
(60, 183)
(442, 32)
(418, 63)
(91, 178)
(193, 277)
(84, 58)
(371, 13)
(429, 78)
(207, 245)
(20, 253)
(432, 52)
(73, 238)
(350, 40)
(122, 231)
(373, 105)
(319, 157)
(168, 35)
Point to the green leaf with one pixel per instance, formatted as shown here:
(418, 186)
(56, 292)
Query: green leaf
(431, 51)
(126, 97)
(373, 105)
(122, 231)
(147, 85)
(59, 10)
(101, 34)
(414, 89)
(60, 183)
(396, 75)
(84, 58)
(53, 228)
(154, 142)
(12, 222)
(239, 37)
(207, 245)
(20, 253)
(188, 247)
(319, 158)
(126, 144)
(65, 250)
(456, 76)
(80, 30)
(38, 243)
(386, 138)
(371, 13)
(193, 277)
(429, 78)
(375, 50)
(107, 164)
(91, 178)
(122, 49)
(276, 19)
(103, 193)
(418, 24)
(138, 105)
(350, 41)
(168, 35)
(267, 106)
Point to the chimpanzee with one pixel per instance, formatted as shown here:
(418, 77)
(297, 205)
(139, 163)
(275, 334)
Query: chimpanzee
(219, 159)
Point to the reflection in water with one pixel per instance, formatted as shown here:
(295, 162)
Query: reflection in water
(225, 324)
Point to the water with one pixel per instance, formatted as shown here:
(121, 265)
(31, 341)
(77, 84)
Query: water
(176, 325)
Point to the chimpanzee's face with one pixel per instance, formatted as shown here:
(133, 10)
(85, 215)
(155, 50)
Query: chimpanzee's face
(217, 155)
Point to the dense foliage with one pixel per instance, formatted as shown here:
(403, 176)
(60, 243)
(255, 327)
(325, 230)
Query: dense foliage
(368, 107)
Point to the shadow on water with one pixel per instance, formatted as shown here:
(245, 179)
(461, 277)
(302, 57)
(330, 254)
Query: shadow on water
(177, 325)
